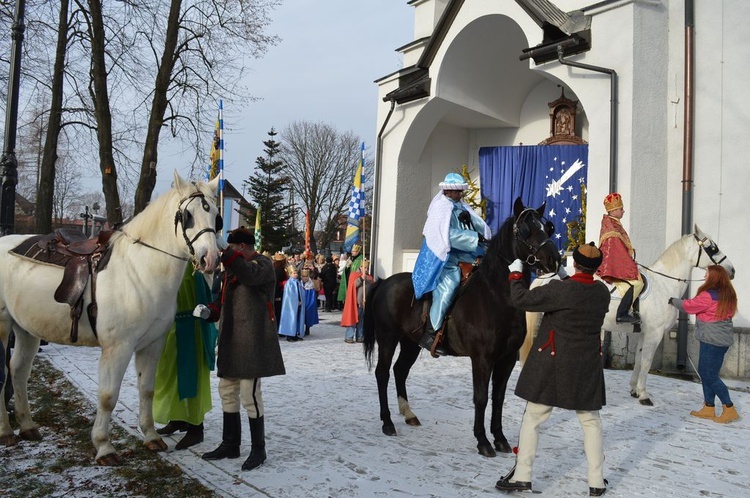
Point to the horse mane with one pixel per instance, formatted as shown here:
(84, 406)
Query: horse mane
(145, 222)
(499, 253)
(674, 255)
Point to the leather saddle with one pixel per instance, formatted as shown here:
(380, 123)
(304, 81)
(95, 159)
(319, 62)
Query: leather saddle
(467, 270)
(82, 258)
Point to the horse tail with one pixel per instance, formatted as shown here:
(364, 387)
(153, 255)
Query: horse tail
(369, 326)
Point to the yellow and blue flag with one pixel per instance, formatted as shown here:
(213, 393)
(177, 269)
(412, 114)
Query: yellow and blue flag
(356, 205)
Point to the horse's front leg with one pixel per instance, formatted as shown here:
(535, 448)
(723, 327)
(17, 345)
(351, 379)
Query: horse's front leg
(7, 437)
(650, 342)
(382, 376)
(500, 375)
(145, 364)
(20, 365)
(402, 367)
(481, 371)
(112, 365)
(636, 367)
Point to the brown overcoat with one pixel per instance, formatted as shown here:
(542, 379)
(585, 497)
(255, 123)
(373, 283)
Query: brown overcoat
(248, 342)
(564, 368)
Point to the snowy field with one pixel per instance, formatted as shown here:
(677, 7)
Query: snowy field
(323, 433)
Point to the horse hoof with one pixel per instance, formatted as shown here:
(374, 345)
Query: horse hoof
(31, 435)
(111, 460)
(156, 445)
(486, 450)
(633, 394)
(414, 422)
(8, 440)
(389, 430)
(646, 402)
(503, 447)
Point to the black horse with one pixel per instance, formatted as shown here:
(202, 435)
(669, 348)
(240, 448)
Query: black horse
(482, 324)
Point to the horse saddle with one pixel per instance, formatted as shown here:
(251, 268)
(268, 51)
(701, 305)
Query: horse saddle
(81, 258)
(467, 269)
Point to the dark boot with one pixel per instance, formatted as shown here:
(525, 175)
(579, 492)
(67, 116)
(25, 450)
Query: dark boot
(230, 439)
(172, 427)
(194, 436)
(428, 338)
(257, 444)
(623, 310)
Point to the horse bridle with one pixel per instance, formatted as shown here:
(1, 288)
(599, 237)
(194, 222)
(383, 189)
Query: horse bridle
(183, 217)
(707, 245)
(711, 249)
(531, 259)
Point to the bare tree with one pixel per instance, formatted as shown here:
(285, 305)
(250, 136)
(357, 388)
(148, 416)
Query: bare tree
(321, 162)
(46, 180)
(194, 63)
(67, 190)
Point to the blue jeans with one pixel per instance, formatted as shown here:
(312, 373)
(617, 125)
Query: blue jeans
(359, 329)
(709, 364)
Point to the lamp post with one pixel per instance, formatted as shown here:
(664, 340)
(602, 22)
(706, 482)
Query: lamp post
(8, 161)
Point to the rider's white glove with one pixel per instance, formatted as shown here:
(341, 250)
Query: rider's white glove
(516, 266)
(221, 243)
(202, 311)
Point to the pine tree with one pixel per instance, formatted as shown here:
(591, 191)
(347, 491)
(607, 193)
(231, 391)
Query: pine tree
(268, 187)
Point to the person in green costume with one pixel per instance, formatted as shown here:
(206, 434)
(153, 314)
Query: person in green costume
(182, 388)
(353, 267)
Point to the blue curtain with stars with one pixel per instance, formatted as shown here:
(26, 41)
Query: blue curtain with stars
(536, 173)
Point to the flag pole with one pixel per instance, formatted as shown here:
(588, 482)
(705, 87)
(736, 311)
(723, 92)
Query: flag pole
(363, 221)
(221, 159)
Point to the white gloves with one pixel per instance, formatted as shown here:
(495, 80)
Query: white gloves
(561, 272)
(221, 243)
(202, 311)
(516, 266)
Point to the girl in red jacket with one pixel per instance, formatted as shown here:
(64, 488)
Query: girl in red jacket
(713, 306)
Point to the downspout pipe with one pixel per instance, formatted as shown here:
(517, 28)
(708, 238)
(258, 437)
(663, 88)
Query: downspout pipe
(612, 111)
(687, 164)
(374, 225)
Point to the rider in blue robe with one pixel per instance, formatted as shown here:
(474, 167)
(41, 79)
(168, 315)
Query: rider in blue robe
(453, 233)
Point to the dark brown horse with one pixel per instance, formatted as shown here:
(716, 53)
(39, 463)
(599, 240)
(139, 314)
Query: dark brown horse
(482, 324)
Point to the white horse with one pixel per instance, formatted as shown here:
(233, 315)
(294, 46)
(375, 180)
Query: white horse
(667, 277)
(136, 295)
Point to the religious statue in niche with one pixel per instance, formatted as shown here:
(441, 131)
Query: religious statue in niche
(562, 113)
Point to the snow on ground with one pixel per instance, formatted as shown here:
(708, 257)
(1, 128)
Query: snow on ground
(323, 433)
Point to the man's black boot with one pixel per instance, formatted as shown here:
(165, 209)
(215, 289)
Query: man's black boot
(230, 439)
(623, 310)
(257, 444)
(428, 338)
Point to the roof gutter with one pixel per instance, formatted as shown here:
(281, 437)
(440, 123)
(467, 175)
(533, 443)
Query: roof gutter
(687, 164)
(540, 53)
(612, 111)
(374, 218)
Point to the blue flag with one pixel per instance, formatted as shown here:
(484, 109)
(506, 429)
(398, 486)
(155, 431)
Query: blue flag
(541, 173)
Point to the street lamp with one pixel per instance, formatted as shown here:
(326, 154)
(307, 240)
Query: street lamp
(8, 161)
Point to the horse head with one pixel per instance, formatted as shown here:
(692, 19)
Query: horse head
(714, 256)
(199, 220)
(532, 234)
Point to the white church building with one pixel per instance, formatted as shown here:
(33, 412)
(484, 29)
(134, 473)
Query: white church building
(656, 90)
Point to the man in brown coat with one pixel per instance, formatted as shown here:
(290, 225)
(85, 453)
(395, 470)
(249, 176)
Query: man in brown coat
(564, 368)
(248, 343)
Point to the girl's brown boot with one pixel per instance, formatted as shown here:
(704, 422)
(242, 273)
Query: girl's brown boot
(705, 412)
(728, 415)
